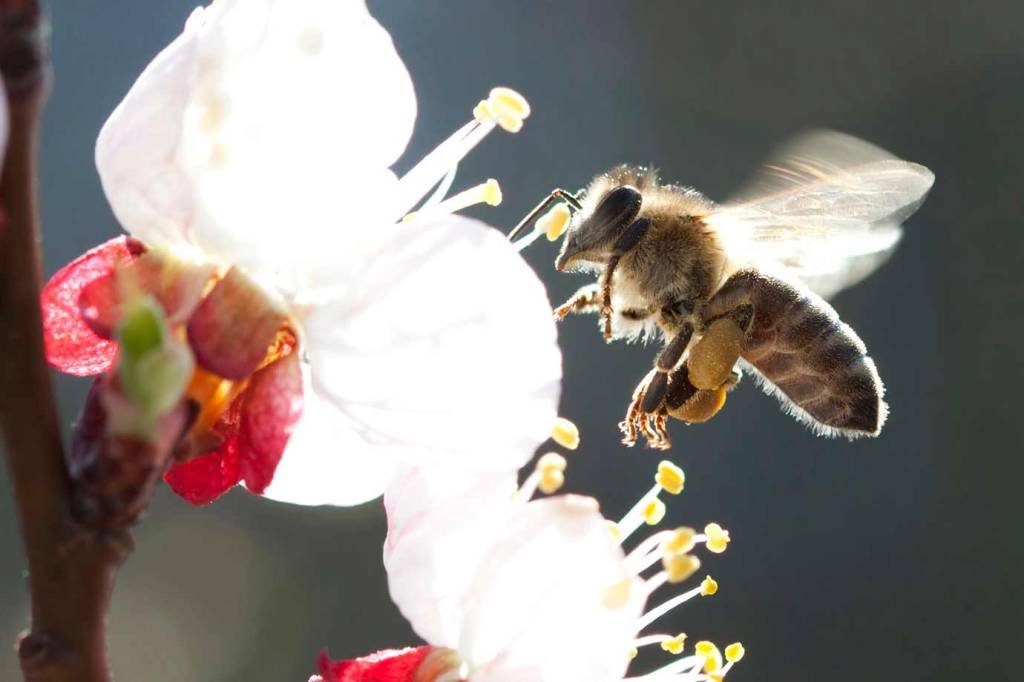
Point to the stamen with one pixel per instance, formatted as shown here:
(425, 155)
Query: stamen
(551, 468)
(708, 587)
(712, 657)
(554, 222)
(433, 167)
(507, 108)
(485, 193)
(717, 538)
(650, 544)
(482, 112)
(682, 541)
(614, 530)
(679, 567)
(670, 477)
(734, 652)
(566, 434)
(441, 191)
(654, 512)
(674, 645)
(659, 611)
(508, 100)
(548, 476)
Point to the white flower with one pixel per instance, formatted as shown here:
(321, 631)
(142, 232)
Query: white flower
(261, 140)
(540, 590)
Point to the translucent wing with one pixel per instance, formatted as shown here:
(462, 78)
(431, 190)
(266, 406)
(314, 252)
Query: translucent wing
(827, 208)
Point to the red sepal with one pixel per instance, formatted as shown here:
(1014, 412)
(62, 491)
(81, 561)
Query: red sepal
(389, 665)
(272, 404)
(71, 346)
(177, 286)
(255, 430)
(233, 327)
(205, 478)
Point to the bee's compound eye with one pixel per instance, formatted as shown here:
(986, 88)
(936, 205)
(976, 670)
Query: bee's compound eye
(618, 208)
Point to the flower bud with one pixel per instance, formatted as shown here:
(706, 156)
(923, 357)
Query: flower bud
(154, 368)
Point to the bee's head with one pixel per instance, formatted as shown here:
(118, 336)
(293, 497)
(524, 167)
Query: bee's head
(589, 240)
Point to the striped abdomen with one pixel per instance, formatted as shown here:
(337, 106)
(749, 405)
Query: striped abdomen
(817, 365)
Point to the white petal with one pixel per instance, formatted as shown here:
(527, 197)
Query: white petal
(298, 109)
(552, 601)
(440, 523)
(262, 134)
(442, 349)
(137, 148)
(326, 462)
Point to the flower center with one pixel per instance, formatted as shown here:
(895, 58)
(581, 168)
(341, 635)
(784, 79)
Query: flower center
(214, 395)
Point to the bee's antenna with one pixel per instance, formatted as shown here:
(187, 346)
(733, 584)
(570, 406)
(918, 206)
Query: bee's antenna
(555, 195)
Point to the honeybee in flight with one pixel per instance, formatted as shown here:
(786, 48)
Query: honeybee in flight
(742, 285)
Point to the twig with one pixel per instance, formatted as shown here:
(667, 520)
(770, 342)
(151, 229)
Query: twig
(71, 569)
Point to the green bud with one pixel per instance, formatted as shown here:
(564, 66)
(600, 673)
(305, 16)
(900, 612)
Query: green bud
(154, 367)
(141, 329)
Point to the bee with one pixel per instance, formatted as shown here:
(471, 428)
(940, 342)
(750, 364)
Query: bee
(741, 286)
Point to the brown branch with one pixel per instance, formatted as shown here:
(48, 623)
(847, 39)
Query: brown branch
(71, 570)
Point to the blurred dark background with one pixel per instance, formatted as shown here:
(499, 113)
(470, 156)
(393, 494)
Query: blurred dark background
(898, 558)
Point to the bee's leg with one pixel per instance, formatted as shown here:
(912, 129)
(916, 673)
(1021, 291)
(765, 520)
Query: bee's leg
(690, 404)
(646, 412)
(629, 238)
(712, 360)
(586, 300)
(727, 321)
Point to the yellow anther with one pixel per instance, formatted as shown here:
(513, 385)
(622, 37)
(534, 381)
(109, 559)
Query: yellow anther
(555, 222)
(551, 481)
(491, 192)
(617, 596)
(675, 645)
(509, 123)
(633, 653)
(504, 106)
(670, 477)
(551, 460)
(409, 217)
(712, 657)
(679, 567)
(485, 193)
(614, 530)
(566, 434)
(483, 112)
(681, 542)
(717, 538)
(705, 648)
(654, 512)
(708, 587)
(507, 99)
(734, 652)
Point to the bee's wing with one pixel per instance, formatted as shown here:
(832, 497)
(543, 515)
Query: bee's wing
(827, 208)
